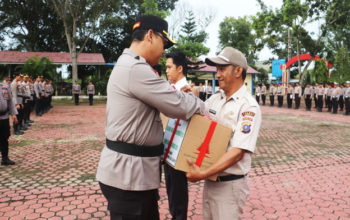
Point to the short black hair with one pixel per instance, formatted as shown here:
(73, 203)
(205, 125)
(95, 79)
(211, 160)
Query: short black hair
(179, 59)
(244, 73)
(138, 35)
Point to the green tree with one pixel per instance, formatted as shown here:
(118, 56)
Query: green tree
(273, 25)
(80, 19)
(320, 72)
(238, 33)
(342, 66)
(191, 40)
(32, 25)
(151, 8)
(35, 66)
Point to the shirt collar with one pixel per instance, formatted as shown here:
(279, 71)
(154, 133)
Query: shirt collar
(181, 83)
(239, 94)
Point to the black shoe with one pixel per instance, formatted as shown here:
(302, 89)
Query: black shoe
(18, 132)
(27, 125)
(7, 162)
(30, 121)
(23, 128)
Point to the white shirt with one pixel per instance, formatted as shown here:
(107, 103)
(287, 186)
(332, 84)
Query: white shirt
(242, 113)
(181, 83)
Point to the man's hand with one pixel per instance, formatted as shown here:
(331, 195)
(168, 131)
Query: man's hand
(195, 174)
(186, 89)
(18, 107)
(14, 118)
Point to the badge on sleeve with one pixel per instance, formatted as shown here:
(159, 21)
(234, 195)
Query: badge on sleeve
(246, 127)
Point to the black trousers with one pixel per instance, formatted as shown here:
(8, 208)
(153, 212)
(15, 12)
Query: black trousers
(76, 99)
(131, 205)
(329, 100)
(263, 97)
(289, 100)
(177, 190)
(347, 106)
(257, 99)
(308, 102)
(208, 95)
(315, 99)
(280, 100)
(341, 103)
(91, 99)
(320, 103)
(26, 111)
(297, 101)
(4, 138)
(202, 95)
(335, 105)
(272, 100)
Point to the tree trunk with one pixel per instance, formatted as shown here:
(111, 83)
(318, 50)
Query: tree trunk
(74, 64)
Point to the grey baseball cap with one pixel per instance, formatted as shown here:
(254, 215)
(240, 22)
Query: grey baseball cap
(228, 56)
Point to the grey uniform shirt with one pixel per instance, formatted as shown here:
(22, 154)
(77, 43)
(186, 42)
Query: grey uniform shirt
(297, 90)
(307, 91)
(6, 102)
(91, 89)
(257, 91)
(42, 89)
(37, 89)
(290, 90)
(263, 90)
(347, 92)
(242, 113)
(272, 90)
(17, 93)
(280, 91)
(336, 92)
(135, 96)
(76, 89)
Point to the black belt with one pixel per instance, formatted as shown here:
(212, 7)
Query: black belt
(229, 178)
(135, 150)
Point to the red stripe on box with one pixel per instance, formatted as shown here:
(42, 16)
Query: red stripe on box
(171, 139)
(204, 148)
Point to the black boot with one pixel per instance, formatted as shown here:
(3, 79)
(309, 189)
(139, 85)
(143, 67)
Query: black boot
(7, 162)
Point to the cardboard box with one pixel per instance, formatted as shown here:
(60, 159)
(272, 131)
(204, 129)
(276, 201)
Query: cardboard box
(200, 139)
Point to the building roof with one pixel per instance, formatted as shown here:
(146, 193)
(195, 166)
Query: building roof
(204, 68)
(18, 57)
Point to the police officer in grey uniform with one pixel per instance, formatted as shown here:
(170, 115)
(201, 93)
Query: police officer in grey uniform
(347, 98)
(76, 90)
(307, 97)
(320, 96)
(341, 97)
(7, 107)
(290, 92)
(272, 93)
(329, 97)
(280, 94)
(17, 98)
(263, 93)
(336, 92)
(257, 93)
(37, 96)
(129, 167)
(297, 94)
(91, 92)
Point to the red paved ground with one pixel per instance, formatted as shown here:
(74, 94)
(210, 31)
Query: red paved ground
(301, 168)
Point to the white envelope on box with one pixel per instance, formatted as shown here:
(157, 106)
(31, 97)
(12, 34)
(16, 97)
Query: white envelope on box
(179, 135)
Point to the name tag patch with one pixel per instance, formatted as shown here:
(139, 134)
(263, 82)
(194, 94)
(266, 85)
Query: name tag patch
(212, 111)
